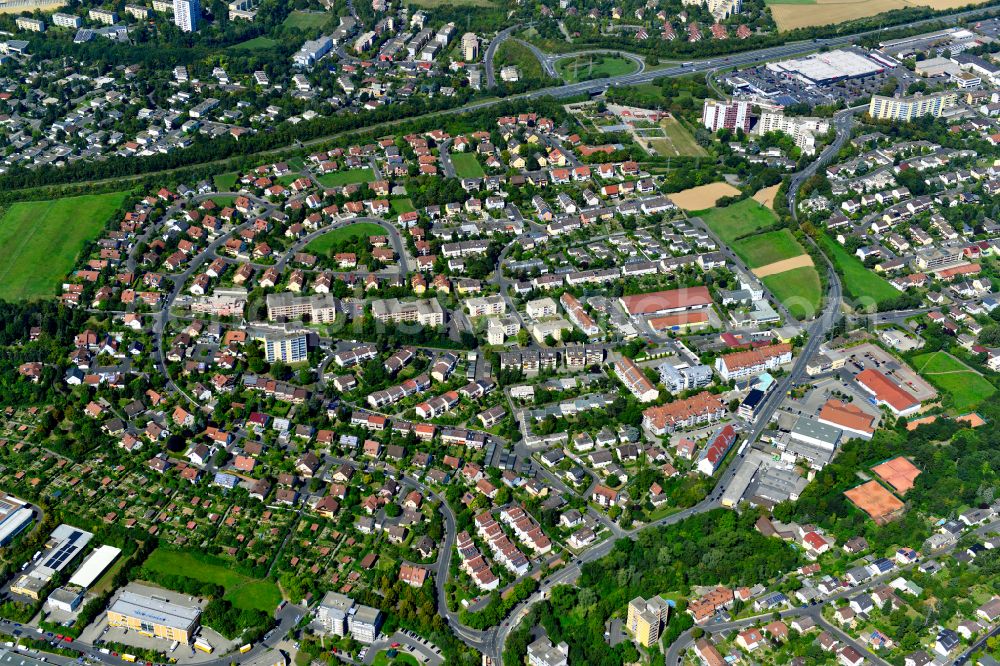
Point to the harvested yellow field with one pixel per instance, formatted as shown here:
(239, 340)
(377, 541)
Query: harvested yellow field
(703, 196)
(765, 197)
(19, 7)
(801, 14)
(801, 261)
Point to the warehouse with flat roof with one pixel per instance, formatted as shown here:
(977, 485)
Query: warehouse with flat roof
(95, 565)
(154, 616)
(828, 67)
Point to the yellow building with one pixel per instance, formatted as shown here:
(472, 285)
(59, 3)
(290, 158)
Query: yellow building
(154, 616)
(645, 618)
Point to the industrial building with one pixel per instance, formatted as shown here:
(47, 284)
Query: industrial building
(15, 515)
(154, 616)
(95, 565)
(64, 544)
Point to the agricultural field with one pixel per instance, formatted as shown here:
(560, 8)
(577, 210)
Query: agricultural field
(359, 230)
(702, 197)
(859, 282)
(307, 20)
(40, 241)
(791, 14)
(467, 166)
(340, 178)
(241, 590)
(674, 139)
(593, 66)
(963, 385)
(742, 218)
(798, 289)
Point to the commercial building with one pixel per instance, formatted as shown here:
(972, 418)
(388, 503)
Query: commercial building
(814, 433)
(286, 348)
(152, 615)
(908, 108)
(221, 302)
(716, 115)
(635, 380)
(426, 312)
(187, 13)
(828, 67)
(645, 619)
(319, 309)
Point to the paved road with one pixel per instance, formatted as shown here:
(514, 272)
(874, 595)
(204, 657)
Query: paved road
(491, 52)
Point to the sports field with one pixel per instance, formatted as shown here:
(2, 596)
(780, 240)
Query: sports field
(860, 284)
(798, 289)
(40, 241)
(467, 166)
(791, 14)
(307, 20)
(742, 218)
(592, 66)
(767, 248)
(341, 178)
(358, 231)
(242, 590)
(964, 385)
(256, 44)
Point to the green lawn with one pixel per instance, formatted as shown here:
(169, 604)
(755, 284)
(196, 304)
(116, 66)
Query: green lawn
(742, 218)
(256, 44)
(966, 387)
(799, 289)
(767, 248)
(859, 282)
(467, 166)
(587, 67)
(401, 659)
(243, 591)
(341, 178)
(359, 230)
(307, 20)
(41, 240)
(515, 53)
(400, 206)
(225, 182)
(677, 140)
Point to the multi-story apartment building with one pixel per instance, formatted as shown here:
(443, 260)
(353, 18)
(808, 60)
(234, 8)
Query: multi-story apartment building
(66, 20)
(645, 618)
(320, 309)
(486, 305)
(908, 108)
(632, 376)
(286, 348)
(187, 13)
(716, 115)
(699, 409)
(470, 47)
(752, 361)
(426, 312)
(30, 24)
